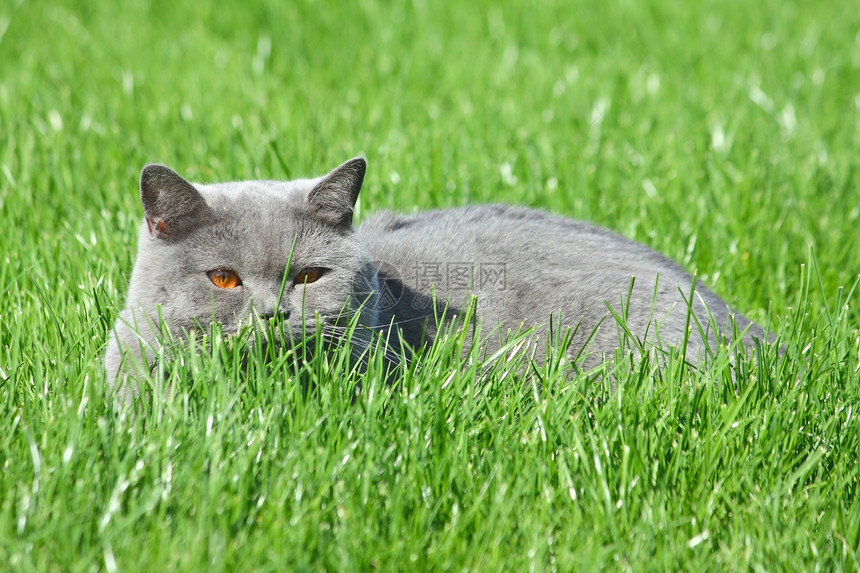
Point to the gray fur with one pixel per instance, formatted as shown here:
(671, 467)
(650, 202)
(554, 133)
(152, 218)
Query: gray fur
(522, 265)
(551, 265)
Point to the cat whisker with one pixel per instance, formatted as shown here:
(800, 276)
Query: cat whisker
(360, 349)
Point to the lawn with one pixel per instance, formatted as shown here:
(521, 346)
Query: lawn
(722, 133)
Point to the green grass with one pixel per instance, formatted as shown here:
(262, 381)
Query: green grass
(723, 133)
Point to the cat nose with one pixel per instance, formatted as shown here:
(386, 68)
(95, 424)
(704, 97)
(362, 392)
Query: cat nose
(283, 314)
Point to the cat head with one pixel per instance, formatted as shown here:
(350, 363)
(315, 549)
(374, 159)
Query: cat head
(230, 252)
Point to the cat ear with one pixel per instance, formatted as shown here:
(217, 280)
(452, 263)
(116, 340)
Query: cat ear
(172, 205)
(334, 197)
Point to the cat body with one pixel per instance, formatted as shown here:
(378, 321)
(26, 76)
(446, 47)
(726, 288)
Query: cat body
(234, 252)
(524, 266)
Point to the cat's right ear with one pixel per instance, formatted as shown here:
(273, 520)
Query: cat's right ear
(333, 198)
(172, 205)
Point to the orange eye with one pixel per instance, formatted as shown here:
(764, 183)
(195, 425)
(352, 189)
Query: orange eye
(308, 275)
(224, 278)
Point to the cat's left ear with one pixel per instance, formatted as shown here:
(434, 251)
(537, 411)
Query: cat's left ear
(333, 198)
(172, 205)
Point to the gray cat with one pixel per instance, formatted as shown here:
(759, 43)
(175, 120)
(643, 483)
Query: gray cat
(220, 252)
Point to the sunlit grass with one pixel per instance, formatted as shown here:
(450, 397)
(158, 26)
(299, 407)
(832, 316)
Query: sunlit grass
(724, 135)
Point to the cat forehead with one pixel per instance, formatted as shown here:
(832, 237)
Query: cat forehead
(242, 191)
(260, 200)
(263, 211)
